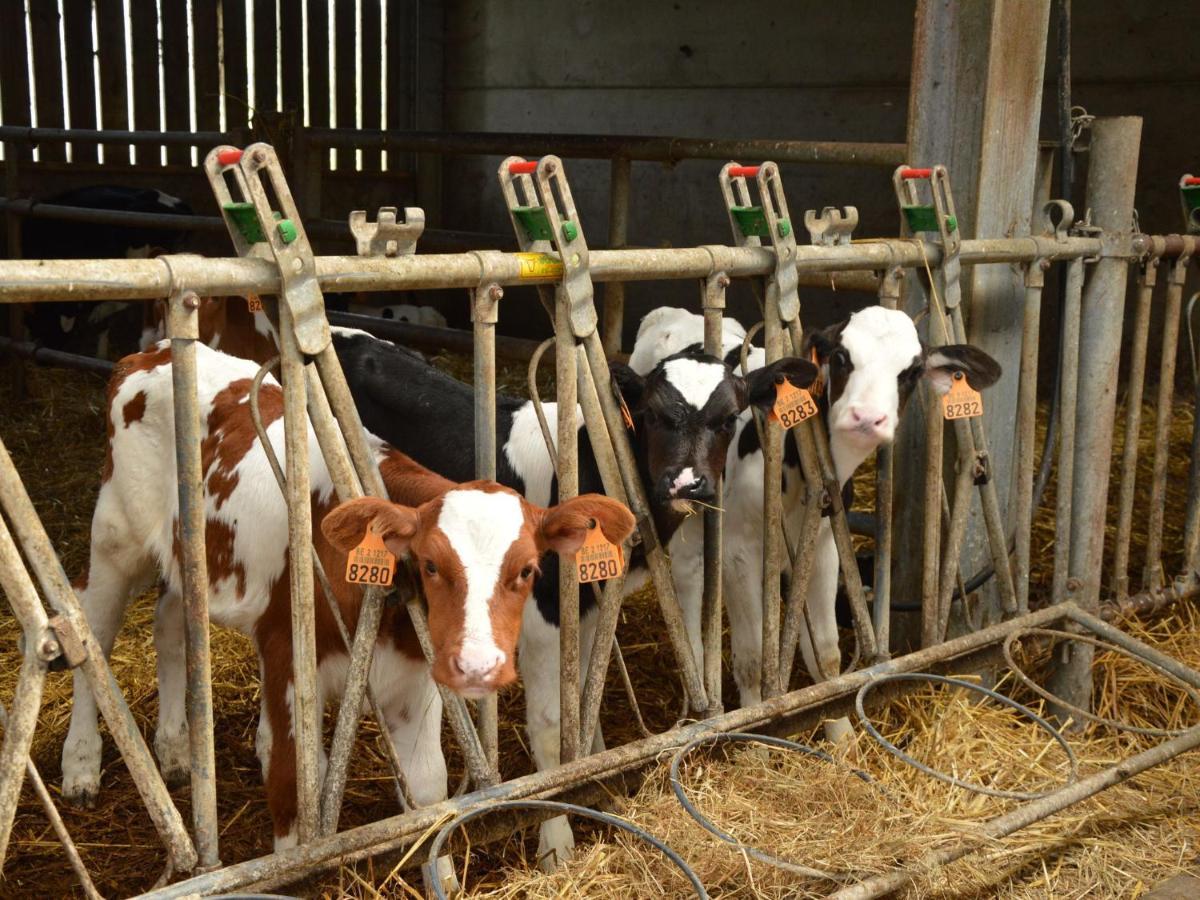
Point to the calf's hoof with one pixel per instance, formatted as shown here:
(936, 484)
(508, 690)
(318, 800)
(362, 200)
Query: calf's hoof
(556, 844)
(174, 757)
(81, 790)
(81, 772)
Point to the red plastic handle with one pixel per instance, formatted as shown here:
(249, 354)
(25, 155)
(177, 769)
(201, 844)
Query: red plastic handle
(523, 168)
(916, 173)
(1192, 179)
(229, 157)
(739, 171)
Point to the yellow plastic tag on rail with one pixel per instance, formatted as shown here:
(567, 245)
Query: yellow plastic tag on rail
(962, 401)
(539, 265)
(792, 405)
(371, 562)
(253, 303)
(598, 558)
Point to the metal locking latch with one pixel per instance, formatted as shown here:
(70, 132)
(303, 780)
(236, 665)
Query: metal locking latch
(387, 236)
(831, 228)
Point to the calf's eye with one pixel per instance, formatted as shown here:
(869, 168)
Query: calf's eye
(526, 572)
(430, 567)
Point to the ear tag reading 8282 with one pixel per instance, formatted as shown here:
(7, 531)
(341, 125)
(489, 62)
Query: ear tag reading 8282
(598, 558)
(253, 303)
(962, 401)
(792, 405)
(371, 562)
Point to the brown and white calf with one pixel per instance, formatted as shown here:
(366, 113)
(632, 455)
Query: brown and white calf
(477, 546)
(227, 324)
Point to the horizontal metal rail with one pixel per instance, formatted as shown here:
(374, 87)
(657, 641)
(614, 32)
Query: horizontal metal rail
(136, 279)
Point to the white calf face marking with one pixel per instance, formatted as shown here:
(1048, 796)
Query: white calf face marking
(881, 344)
(694, 379)
(481, 526)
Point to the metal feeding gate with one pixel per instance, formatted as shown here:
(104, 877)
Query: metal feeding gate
(275, 262)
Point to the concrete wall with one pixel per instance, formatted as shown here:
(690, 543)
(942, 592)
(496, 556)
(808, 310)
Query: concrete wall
(767, 70)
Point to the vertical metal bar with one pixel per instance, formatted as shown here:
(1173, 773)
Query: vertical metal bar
(46, 566)
(56, 822)
(1022, 508)
(713, 298)
(1067, 407)
(932, 522)
(568, 487)
(12, 230)
(618, 231)
(183, 328)
(1152, 575)
(306, 708)
(1147, 276)
(1112, 177)
(889, 298)
(484, 315)
(18, 737)
(1191, 529)
(951, 554)
(772, 441)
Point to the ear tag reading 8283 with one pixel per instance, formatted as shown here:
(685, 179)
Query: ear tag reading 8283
(371, 562)
(962, 401)
(792, 405)
(598, 558)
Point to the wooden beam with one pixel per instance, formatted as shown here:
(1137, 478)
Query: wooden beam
(111, 50)
(237, 91)
(143, 28)
(177, 75)
(47, 74)
(81, 78)
(372, 76)
(206, 58)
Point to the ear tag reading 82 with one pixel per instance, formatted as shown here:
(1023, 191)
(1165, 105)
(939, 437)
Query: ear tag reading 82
(598, 558)
(792, 405)
(253, 303)
(962, 401)
(371, 562)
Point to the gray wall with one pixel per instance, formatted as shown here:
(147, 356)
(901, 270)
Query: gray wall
(766, 70)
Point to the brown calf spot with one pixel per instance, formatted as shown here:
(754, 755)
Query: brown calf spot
(135, 362)
(231, 434)
(135, 409)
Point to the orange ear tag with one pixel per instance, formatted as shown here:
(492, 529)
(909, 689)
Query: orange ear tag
(817, 388)
(598, 558)
(253, 303)
(625, 414)
(371, 562)
(962, 401)
(792, 405)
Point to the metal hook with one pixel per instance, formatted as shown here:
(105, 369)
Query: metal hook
(831, 228)
(387, 236)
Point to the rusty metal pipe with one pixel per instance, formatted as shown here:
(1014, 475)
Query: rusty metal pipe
(568, 487)
(1022, 505)
(618, 232)
(1067, 408)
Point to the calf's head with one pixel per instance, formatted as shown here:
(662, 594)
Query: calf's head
(686, 410)
(477, 548)
(872, 361)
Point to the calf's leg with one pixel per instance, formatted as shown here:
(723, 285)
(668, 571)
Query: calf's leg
(171, 743)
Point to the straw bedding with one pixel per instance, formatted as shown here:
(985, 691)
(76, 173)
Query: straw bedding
(813, 813)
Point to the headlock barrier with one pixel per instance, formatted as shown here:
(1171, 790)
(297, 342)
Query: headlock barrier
(275, 262)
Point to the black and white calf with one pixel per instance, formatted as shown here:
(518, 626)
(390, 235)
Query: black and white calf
(685, 410)
(870, 363)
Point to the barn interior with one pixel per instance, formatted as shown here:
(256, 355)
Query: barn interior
(387, 103)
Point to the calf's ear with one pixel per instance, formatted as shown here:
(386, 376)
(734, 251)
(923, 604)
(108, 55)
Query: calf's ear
(564, 527)
(347, 525)
(823, 340)
(760, 384)
(942, 362)
(626, 383)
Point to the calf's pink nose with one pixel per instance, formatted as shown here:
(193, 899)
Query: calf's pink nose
(862, 416)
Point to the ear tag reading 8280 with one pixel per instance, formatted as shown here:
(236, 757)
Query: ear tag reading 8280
(371, 562)
(962, 401)
(792, 405)
(598, 558)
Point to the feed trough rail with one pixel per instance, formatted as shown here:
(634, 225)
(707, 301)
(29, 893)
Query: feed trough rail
(282, 266)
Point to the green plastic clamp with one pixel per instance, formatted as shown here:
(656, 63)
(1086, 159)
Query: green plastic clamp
(570, 230)
(924, 218)
(1190, 194)
(287, 230)
(785, 228)
(246, 221)
(751, 220)
(535, 222)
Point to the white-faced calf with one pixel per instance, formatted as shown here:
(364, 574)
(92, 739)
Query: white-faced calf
(870, 364)
(477, 545)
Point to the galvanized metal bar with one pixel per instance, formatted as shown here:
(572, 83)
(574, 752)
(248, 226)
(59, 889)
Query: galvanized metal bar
(183, 329)
(802, 567)
(889, 298)
(1067, 408)
(484, 316)
(776, 715)
(1191, 529)
(1112, 177)
(1146, 279)
(1022, 502)
(1025, 815)
(568, 486)
(963, 488)
(620, 174)
(38, 281)
(772, 450)
(931, 521)
(712, 299)
(18, 738)
(56, 822)
(1152, 574)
